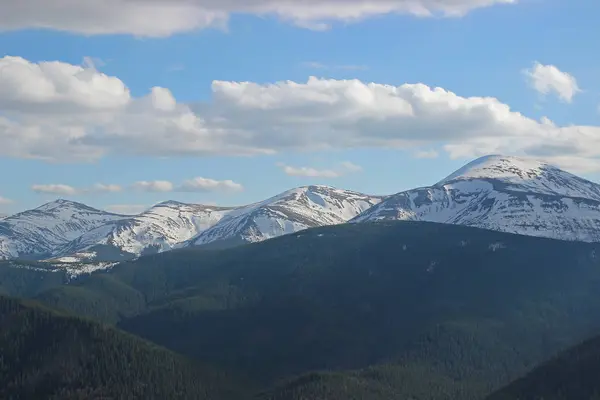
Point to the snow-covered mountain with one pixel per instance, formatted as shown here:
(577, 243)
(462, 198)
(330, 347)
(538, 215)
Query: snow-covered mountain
(507, 194)
(165, 226)
(288, 212)
(36, 233)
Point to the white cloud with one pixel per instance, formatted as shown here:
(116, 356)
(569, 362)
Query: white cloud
(166, 17)
(245, 118)
(126, 209)
(426, 154)
(153, 186)
(5, 201)
(197, 184)
(67, 190)
(343, 169)
(547, 79)
(200, 184)
(57, 189)
(58, 87)
(100, 187)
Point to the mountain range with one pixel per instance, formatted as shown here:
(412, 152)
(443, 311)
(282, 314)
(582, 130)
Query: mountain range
(507, 194)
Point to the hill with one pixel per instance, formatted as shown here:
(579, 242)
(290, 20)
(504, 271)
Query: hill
(45, 355)
(473, 308)
(574, 374)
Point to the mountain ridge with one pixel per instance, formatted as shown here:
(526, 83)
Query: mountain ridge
(39, 231)
(507, 194)
(288, 212)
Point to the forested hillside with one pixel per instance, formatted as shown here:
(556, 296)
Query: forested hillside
(45, 355)
(463, 309)
(574, 374)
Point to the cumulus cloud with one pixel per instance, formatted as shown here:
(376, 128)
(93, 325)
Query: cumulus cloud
(167, 17)
(100, 187)
(153, 186)
(5, 201)
(547, 79)
(200, 184)
(246, 118)
(57, 189)
(197, 184)
(426, 154)
(67, 190)
(343, 169)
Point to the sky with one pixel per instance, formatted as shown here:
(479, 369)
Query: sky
(122, 104)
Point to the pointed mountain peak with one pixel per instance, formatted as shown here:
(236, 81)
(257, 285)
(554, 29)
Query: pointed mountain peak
(63, 204)
(501, 167)
(169, 203)
(59, 203)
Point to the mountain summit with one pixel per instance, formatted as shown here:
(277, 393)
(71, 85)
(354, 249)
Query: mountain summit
(508, 194)
(291, 211)
(163, 227)
(38, 232)
(526, 175)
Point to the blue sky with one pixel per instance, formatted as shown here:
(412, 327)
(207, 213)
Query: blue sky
(64, 132)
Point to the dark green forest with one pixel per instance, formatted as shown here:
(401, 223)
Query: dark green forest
(359, 311)
(574, 374)
(46, 355)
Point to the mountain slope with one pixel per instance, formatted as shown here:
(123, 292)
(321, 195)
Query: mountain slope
(36, 233)
(163, 227)
(288, 212)
(46, 355)
(466, 311)
(507, 194)
(574, 374)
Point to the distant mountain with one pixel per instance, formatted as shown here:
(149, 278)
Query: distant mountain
(163, 227)
(500, 193)
(46, 355)
(574, 374)
(507, 194)
(69, 233)
(455, 311)
(37, 233)
(288, 212)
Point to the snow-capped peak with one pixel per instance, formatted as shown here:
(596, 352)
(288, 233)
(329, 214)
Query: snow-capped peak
(37, 232)
(62, 204)
(509, 194)
(499, 167)
(165, 226)
(293, 210)
(524, 174)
